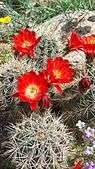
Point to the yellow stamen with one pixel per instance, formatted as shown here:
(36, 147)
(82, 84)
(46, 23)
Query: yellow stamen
(31, 91)
(92, 41)
(57, 73)
(26, 44)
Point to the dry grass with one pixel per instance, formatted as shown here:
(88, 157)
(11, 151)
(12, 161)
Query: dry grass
(45, 1)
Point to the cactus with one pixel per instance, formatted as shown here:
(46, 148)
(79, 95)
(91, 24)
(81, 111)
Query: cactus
(39, 143)
(14, 67)
(75, 105)
(9, 71)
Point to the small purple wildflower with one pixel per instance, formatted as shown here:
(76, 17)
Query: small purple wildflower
(89, 150)
(89, 132)
(90, 165)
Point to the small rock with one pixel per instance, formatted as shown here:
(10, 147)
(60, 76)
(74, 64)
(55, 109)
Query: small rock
(83, 30)
(77, 59)
(59, 27)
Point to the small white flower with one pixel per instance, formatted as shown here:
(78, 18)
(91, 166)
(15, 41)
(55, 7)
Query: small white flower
(80, 124)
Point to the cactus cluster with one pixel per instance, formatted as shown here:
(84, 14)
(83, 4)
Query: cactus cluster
(39, 143)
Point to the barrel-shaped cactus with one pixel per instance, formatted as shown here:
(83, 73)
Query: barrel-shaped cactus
(39, 143)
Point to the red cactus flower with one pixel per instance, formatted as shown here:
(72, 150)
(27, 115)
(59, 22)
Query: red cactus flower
(31, 88)
(89, 44)
(25, 42)
(78, 165)
(59, 71)
(75, 41)
(85, 43)
(85, 84)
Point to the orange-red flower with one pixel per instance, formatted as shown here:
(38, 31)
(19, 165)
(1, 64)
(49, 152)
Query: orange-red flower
(59, 71)
(89, 45)
(31, 88)
(75, 41)
(25, 42)
(85, 43)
